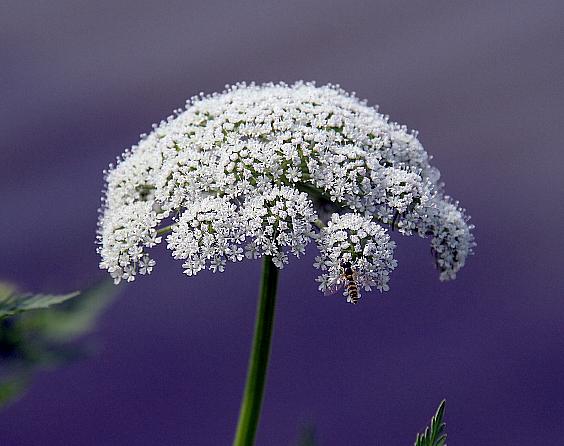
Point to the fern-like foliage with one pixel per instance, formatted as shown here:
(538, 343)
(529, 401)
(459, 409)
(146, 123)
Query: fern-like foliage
(31, 341)
(12, 302)
(434, 435)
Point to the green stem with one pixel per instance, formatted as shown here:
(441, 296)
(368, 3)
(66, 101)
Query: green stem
(256, 374)
(164, 230)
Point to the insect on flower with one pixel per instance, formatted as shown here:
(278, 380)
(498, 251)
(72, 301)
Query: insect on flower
(347, 280)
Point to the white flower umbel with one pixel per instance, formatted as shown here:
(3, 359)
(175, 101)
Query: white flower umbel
(278, 219)
(451, 240)
(262, 170)
(126, 232)
(208, 233)
(360, 242)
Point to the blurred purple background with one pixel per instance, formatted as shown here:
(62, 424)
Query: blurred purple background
(482, 81)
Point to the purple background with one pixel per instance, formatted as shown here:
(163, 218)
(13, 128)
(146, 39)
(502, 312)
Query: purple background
(80, 80)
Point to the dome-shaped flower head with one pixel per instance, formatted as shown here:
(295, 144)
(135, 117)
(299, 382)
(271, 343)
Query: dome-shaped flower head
(264, 170)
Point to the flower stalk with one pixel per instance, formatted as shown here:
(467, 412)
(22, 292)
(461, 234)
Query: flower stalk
(249, 413)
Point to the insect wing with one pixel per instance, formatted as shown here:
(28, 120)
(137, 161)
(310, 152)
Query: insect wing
(334, 288)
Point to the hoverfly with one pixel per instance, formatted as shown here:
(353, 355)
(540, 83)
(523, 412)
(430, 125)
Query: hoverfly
(348, 280)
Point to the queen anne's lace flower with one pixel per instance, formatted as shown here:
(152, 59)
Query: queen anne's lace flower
(263, 170)
(451, 238)
(208, 233)
(359, 241)
(125, 234)
(277, 219)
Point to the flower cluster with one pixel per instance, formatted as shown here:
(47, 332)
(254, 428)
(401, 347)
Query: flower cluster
(264, 170)
(360, 242)
(208, 233)
(125, 234)
(451, 237)
(277, 220)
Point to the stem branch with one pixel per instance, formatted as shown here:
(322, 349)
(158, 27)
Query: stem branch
(256, 374)
(164, 230)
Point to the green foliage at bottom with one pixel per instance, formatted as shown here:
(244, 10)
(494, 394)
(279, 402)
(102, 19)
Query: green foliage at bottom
(434, 435)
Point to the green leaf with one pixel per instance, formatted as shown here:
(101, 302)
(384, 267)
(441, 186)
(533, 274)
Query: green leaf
(434, 435)
(11, 388)
(75, 317)
(31, 341)
(12, 303)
